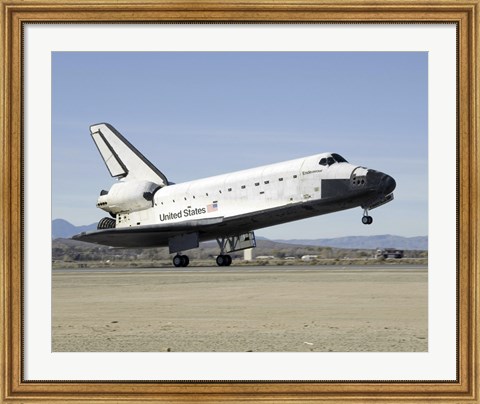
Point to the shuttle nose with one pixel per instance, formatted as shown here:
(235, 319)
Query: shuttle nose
(389, 184)
(383, 182)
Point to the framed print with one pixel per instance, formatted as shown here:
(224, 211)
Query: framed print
(204, 89)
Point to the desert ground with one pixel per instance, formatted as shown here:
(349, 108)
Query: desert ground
(240, 309)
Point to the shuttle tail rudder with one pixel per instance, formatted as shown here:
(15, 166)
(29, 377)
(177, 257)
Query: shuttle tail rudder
(122, 159)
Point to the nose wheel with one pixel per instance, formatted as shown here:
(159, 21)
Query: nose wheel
(366, 219)
(180, 260)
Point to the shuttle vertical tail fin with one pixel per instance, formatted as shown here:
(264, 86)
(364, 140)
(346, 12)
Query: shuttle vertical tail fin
(122, 159)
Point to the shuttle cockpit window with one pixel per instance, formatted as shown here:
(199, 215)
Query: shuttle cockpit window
(326, 161)
(338, 158)
(332, 159)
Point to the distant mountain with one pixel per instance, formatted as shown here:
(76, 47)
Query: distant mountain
(367, 242)
(63, 229)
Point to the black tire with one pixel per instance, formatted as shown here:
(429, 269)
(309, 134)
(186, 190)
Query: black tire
(365, 219)
(370, 219)
(228, 259)
(185, 260)
(177, 261)
(221, 261)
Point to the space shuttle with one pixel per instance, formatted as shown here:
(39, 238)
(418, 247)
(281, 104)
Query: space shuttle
(147, 210)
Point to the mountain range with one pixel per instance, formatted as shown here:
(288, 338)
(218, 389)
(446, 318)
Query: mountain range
(367, 242)
(64, 229)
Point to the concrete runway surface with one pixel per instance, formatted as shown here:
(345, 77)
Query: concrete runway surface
(241, 309)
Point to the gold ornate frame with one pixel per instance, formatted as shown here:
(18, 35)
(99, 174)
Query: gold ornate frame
(465, 14)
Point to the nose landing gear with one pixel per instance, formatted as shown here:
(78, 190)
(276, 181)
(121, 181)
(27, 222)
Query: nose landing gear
(366, 219)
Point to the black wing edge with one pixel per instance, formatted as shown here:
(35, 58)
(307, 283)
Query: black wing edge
(156, 235)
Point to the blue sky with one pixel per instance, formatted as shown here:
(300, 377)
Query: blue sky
(197, 114)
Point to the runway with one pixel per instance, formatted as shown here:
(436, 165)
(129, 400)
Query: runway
(248, 269)
(240, 309)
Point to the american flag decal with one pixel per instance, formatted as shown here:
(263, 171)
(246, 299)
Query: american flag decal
(213, 207)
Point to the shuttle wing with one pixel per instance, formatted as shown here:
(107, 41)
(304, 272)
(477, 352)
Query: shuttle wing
(122, 159)
(155, 235)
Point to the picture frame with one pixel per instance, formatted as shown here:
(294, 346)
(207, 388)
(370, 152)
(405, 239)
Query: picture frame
(15, 14)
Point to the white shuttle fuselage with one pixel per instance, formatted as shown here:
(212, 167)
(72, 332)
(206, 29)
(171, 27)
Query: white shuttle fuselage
(149, 211)
(242, 192)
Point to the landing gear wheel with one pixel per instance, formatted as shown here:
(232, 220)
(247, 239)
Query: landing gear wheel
(224, 260)
(221, 260)
(180, 261)
(367, 219)
(177, 261)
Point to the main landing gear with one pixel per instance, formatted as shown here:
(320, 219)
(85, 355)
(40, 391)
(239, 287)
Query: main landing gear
(227, 244)
(180, 260)
(224, 260)
(366, 219)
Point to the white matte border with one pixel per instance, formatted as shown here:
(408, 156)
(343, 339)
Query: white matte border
(440, 361)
